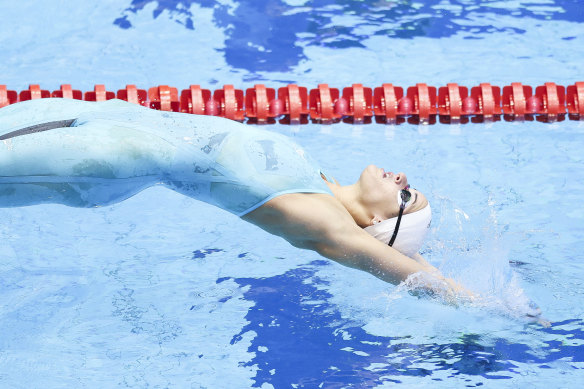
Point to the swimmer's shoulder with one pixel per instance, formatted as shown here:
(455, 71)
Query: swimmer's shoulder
(299, 208)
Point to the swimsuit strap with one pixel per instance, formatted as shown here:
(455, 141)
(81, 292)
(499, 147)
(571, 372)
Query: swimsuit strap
(38, 128)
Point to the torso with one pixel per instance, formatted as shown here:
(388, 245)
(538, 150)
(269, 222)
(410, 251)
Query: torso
(233, 166)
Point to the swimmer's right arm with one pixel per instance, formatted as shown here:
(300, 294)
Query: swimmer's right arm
(356, 248)
(422, 261)
(315, 222)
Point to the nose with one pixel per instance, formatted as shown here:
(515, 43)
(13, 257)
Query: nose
(401, 180)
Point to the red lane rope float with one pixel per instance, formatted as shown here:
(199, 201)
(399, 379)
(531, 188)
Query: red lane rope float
(295, 104)
(33, 92)
(193, 100)
(228, 103)
(515, 99)
(451, 99)
(7, 97)
(359, 101)
(322, 104)
(164, 98)
(67, 92)
(575, 99)
(488, 101)
(133, 95)
(424, 102)
(98, 94)
(260, 104)
(552, 98)
(386, 102)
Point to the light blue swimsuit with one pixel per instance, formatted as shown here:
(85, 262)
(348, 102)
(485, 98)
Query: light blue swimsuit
(102, 153)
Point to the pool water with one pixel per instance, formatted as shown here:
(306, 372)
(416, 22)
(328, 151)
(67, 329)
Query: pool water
(164, 291)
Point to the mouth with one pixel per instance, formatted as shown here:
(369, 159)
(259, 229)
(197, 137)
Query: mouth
(386, 174)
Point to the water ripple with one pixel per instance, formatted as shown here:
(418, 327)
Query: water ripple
(273, 34)
(302, 339)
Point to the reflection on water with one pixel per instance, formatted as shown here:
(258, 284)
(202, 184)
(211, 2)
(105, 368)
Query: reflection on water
(303, 339)
(270, 35)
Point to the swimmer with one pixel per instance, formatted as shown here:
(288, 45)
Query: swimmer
(87, 154)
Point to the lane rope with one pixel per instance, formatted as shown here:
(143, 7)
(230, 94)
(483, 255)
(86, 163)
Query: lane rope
(387, 103)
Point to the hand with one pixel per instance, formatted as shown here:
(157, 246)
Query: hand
(433, 284)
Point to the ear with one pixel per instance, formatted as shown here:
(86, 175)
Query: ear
(376, 219)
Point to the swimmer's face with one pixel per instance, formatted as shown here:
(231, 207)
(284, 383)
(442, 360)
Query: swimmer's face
(379, 193)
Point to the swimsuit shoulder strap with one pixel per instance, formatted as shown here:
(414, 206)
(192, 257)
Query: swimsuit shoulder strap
(327, 178)
(38, 128)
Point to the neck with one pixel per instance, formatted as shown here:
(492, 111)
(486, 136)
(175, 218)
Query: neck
(348, 196)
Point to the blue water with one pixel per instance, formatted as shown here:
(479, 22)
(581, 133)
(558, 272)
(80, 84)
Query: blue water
(165, 291)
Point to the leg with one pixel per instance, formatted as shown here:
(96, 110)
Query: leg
(96, 163)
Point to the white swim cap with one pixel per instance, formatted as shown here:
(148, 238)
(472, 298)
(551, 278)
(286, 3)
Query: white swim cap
(412, 231)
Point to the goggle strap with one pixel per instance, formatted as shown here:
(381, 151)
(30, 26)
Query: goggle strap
(399, 216)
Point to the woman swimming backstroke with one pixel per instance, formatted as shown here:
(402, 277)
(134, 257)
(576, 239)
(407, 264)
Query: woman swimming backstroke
(87, 154)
